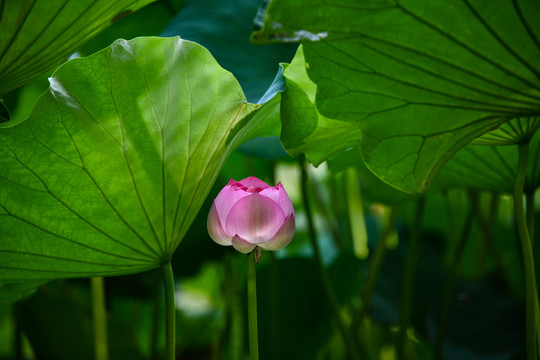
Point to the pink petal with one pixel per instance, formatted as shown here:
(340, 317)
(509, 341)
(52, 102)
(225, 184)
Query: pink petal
(227, 197)
(279, 195)
(253, 182)
(242, 245)
(282, 238)
(215, 229)
(255, 218)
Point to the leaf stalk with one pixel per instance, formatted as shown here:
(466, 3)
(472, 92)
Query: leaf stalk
(526, 250)
(409, 273)
(325, 277)
(170, 311)
(101, 348)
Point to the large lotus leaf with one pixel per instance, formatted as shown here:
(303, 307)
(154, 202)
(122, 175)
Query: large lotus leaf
(224, 28)
(490, 168)
(421, 78)
(39, 34)
(116, 159)
(304, 129)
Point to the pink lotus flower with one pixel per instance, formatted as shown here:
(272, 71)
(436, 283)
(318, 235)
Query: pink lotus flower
(251, 213)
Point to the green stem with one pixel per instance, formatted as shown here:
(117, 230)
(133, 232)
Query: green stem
(526, 249)
(530, 225)
(100, 318)
(375, 264)
(170, 311)
(356, 213)
(325, 277)
(408, 279)
(361, 325)
(530, 214)
(252, 306)
(451, 278)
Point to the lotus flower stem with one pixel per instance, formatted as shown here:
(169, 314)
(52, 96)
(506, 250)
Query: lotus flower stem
(252, 259)
(526, 250)
(170, 311)
(325, 277)
(408, 279)
(100, 318)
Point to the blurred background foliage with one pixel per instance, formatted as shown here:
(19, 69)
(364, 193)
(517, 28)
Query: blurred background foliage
(467, 268)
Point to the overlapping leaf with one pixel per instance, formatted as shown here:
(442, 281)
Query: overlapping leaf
(420, 78)
(490, 168)
(224, 29)
(116, 159)
(304, 129)
(39, 34)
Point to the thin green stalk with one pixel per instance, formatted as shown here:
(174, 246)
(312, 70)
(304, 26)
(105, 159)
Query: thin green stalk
(356, 213)
(487, 224)
(376, 263)
(325, 277)
(170, 311)
(362, 325)
(252, 306)
(327, 212)
(530, 214)
(526, 249)
(100, 318)
(408, 279)
(451, 278)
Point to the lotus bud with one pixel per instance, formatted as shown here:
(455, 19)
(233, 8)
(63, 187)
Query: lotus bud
(249, 214)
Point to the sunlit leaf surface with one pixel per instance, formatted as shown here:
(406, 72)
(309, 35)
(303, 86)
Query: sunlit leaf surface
(116, 159)
(37, 35)
(304, 129)
(420, 78)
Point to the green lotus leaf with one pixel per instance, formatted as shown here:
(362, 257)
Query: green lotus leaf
(116, 159)
(420, 78)
(489, 167)
(38, 35)
(304, 129)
